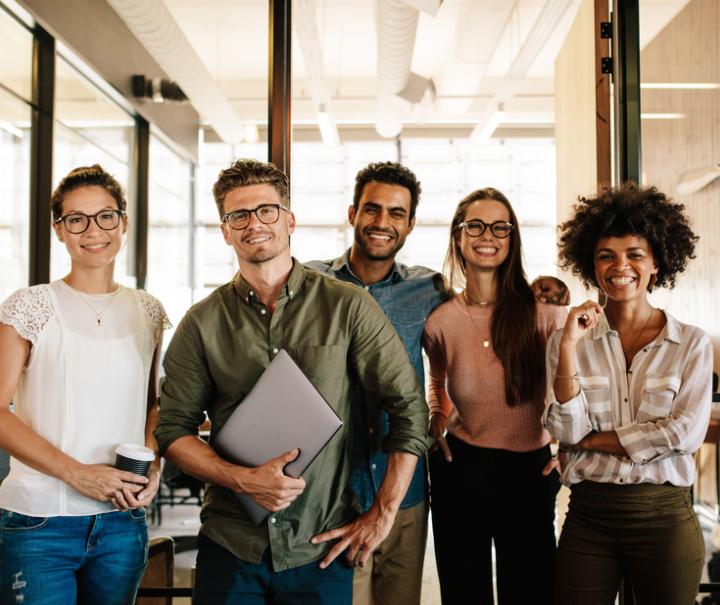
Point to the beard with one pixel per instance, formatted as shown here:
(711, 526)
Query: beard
(259, 257)
(383, 254)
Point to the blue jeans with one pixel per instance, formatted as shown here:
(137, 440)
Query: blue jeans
(223, 579)
(88, 559)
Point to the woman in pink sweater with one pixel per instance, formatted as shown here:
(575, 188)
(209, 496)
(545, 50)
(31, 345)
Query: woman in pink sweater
(487, 391)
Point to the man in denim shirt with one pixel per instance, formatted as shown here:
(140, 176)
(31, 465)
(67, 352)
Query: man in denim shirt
(383, 215)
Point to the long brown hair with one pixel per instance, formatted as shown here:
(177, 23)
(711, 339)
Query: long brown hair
(514, 332)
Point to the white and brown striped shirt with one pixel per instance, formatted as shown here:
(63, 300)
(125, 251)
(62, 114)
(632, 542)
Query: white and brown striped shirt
(659, 407)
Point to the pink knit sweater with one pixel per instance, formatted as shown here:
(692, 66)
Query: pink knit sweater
(467, 380)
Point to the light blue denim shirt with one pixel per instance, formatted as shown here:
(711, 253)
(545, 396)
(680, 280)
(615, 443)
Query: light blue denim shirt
(407, 295)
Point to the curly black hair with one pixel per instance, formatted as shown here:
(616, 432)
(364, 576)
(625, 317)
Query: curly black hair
(390, 173)
(628, 210)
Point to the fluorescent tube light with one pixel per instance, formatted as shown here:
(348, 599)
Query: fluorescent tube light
(680, 85)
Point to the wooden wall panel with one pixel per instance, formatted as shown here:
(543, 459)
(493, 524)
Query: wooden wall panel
(688, 50)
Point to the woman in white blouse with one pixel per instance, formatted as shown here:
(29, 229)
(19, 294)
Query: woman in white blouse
(629, 398)
(78, 357)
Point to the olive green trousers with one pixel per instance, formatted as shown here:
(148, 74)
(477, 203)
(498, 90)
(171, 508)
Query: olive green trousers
(647, 534)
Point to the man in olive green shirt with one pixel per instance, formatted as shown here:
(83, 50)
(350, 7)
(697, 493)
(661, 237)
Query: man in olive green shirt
(339, 337)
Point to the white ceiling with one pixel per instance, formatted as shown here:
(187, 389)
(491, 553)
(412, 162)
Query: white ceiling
(467, 49)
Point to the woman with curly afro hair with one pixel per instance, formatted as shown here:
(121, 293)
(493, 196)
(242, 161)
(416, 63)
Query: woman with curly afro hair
(629, 390)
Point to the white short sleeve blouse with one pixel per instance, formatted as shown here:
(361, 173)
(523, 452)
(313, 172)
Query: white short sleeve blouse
(85, 385)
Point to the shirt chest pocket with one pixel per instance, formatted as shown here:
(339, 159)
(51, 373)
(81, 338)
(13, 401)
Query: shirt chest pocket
(597, 394)
(657, 397)
(326, 367)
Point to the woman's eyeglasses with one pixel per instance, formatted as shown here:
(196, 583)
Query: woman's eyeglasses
(77, 222)
(476, 227)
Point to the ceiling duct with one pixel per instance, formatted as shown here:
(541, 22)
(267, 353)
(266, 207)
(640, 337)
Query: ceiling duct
(396, 29)
(154, 26)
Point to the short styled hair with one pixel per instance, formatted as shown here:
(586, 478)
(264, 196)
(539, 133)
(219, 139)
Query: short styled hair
(86, 176)
(628, 210)
(245, 172)
(390, 173)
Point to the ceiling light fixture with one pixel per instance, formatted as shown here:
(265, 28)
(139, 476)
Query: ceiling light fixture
(680, 85)
(328, 134)
(693, 181)
(8, 127)
(663, 116)
(483, 134)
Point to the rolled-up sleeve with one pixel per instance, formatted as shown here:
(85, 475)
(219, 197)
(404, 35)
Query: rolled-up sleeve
(387, 377)
(187, 386)
(568, 422)
(683, 430)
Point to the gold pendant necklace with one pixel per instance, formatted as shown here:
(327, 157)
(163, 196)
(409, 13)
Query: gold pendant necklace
(479, 303)
(98, 314)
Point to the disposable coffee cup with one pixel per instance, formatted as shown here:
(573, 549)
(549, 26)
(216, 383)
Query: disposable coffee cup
(133, 458)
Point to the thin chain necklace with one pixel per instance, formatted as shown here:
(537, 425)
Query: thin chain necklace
(476, 303)
(98, 314)
(639, 334)
(480, 303)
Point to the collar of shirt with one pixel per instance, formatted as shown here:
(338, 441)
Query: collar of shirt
(290, 289)
(342, 263)
(671, 331)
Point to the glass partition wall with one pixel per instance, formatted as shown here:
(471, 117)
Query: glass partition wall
(16, 43)
(90, 128)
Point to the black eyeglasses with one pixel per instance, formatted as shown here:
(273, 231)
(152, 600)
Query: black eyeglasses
(77, 222)
(476, 227)
(267, 214)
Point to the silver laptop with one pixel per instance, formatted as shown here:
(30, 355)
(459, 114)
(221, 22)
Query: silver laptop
(283, 411)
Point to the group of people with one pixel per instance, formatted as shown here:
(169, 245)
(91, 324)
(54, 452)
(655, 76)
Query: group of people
(624, 388)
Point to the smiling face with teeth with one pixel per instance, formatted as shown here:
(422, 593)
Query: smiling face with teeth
(382, 220)
(624, 266)
(95, 247)
(258, 243)
(485, 251)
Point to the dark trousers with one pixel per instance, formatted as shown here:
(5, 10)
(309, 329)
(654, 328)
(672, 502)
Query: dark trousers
(646, 533)
(487, 496)
(223, 579)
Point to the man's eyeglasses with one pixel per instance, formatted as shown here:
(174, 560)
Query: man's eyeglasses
(77, 222)
(476, 227)
(267, 214)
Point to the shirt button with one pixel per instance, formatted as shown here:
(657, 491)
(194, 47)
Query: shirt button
(371, 430)
(273, 520)
(251, 293)
(262, 311)
(275, 351)
(373, 466)
(291, 293)
(366, 287)
(620, 480)
(625, 400)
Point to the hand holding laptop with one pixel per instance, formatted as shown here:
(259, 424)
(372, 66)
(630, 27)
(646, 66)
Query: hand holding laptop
(270, 486)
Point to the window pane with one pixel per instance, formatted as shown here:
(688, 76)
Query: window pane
(169, 235)
(14, 193)
(90, 128)
(16, 44)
